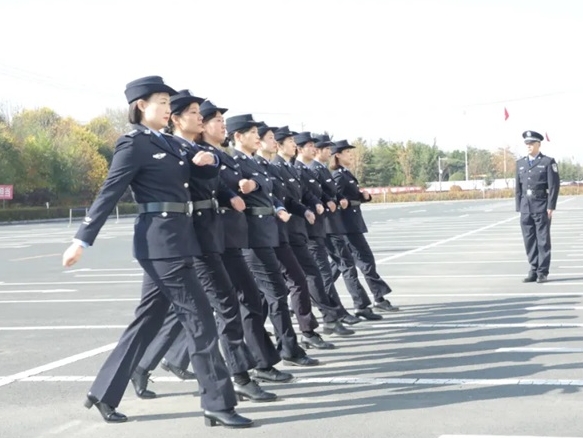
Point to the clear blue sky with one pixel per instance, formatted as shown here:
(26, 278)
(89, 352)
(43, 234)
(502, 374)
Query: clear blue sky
(397, 69)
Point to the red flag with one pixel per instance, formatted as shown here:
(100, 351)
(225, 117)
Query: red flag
(506, 115)
(547, 136)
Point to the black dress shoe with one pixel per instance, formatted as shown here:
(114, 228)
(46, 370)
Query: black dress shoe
(530, 278)
(316, 341)
(271, 375)
(305, 361)
(228, 418)
(542, 279)
(386, 306)
(140, 382)
(350, 319)
(177, 371)
(108, 412)
(368, 314)
(253, 392)
(336, 328)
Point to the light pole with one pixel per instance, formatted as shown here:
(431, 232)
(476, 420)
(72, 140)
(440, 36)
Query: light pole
(439, 159)
(467, 173)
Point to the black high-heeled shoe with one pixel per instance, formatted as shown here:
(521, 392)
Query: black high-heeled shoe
(108, 412)
(228, 418)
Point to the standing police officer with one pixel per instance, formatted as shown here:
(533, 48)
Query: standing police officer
(537, 191)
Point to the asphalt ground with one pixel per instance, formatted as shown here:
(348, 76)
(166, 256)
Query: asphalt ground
(472, 352)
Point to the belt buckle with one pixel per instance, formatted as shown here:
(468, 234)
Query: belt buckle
(190, 208)
(528, 192)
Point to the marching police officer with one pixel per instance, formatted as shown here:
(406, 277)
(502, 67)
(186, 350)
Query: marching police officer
(537, 191)
(354, 224)
(157, 169)
(341, 259)
(263, 210)
(187, 124)
(295, 277)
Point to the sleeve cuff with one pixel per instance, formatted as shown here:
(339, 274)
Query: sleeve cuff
(81, 243)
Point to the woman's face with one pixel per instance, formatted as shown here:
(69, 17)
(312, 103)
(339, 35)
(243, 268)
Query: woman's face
(215, 130)
(268, 143)
(189, 121)
(155, 110)
(288, 147)
(345, 158)
(250, 141)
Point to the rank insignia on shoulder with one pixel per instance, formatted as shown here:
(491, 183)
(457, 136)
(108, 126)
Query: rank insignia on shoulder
(555, 167)
(159, 156)
(132, 133)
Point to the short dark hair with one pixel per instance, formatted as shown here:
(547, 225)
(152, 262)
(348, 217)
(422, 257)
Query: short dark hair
(231, 136)
(210, 116)
(134, 113)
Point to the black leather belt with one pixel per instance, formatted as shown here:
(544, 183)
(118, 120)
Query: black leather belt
(205, 204)
(165, 207)
(355, 203)
(530, 192)
(260, 211)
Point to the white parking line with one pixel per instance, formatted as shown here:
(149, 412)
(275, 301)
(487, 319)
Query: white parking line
(539, 350)
(57, 364)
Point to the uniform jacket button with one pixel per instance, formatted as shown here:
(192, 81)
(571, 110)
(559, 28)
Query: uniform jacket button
(181, 163)
(185, 184)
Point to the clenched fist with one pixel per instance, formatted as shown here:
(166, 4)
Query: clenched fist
(310, 217)
(319, 209)
(366, 195)
(343, 203)
(238, 204)
(72, 255)
(331, 206)
(247, 186)
(283, 215)
(203, 158)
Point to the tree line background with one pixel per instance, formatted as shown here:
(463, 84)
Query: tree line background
(49, 158)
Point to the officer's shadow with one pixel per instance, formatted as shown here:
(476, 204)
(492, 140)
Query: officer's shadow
(561, 280)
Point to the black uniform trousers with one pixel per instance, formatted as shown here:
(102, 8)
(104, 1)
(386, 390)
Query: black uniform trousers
(317, 248)
(330, 310)
(177, 354)
(256, 336)
(169, 281)
(342, 262)
(365, 261)
(297, 285)
(170, 343)
(536, 232)
(265, 268)
(223, 299)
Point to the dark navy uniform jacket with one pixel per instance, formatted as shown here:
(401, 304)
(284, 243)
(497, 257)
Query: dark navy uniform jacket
(537, 184)
(207, 223)
(310, 180)
(281, 192)
(235, 226)
(332, 221)
(297, 225)
(347, 185)
(263, 230)
(158, 170)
